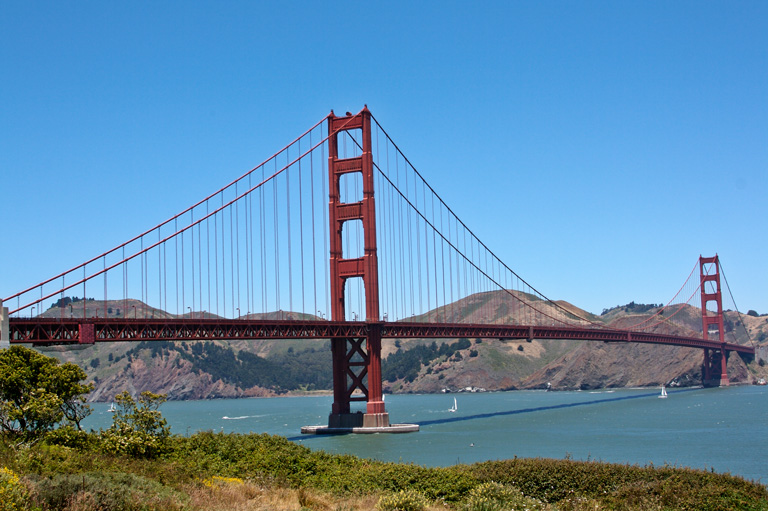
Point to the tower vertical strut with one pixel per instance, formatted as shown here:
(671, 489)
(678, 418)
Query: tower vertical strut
(712, 320)
(356, 368)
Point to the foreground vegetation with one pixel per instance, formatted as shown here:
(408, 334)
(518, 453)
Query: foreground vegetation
(72, 470)
(48, 463)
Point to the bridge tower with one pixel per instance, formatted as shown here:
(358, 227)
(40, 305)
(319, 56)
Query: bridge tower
(712, 322)
(356, 361)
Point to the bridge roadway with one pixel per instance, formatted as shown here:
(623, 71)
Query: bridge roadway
(58, 331)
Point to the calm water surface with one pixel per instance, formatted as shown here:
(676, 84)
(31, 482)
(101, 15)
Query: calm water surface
(722, 429)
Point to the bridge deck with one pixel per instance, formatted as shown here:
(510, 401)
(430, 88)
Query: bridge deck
(44, 331)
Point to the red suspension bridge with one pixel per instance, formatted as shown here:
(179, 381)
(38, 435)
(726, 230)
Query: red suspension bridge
(251, 261)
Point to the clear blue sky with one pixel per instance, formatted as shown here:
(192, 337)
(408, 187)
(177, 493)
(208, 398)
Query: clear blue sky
(597, 147)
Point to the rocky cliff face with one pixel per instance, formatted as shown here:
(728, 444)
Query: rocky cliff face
(172, 376)
(598, 365)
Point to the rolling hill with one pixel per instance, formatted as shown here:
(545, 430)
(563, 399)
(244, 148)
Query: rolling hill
(219, 369)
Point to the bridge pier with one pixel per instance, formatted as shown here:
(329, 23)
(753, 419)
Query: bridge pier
(5, 339)
(714, 370)
(357, 377)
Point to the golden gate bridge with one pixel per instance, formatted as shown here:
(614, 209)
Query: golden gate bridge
(336, 236)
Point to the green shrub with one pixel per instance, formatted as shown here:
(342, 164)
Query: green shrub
(404, 500)
(37, 393)
(492, 496)
(562, 481)
(14, 496)
(68, 436)
(138, 428)
(106, 491)
(79, 470)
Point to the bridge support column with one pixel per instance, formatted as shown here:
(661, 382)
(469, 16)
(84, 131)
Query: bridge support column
(357, 377)
(712, 319)
(375, 416)
(5, 339)
(714, 369)
(706, 369)
(724, 381)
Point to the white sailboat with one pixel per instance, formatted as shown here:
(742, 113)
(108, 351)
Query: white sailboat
(663, 394)
(454, 407)
(112, 408)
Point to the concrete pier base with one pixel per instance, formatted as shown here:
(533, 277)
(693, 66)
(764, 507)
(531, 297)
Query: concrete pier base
(327, 430)
(343, 423)
(358, 420)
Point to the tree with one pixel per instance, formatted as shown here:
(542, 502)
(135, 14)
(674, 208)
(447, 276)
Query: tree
(138, 428)
(36, 393)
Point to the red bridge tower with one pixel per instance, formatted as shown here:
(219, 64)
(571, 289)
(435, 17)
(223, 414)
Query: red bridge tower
(356, 361)
(712, 323)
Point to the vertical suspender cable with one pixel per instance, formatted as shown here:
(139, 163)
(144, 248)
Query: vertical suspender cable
(410, 248)
(160, 272)
(395, 284)
(263, 244)
(252, 302)
(314, 225)
(223, 261)
(183, 279)
(434, 256)
(192, 256)
(277, 245)
(216, 259)
(288, 230)
(232, 267)
(200, 266)
(301, 232)
(326, 236)
(426, 247)
(208, 251)
(104, 261)
(248, 205)
(417, 234)
(236, 205)
(165, 278)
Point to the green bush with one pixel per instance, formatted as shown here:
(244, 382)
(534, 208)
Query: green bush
(404, 500)
(106, 491)
(492, 496)
(557, 481)
(138, 428)
(37, 393)
(14, 496)
(68, 436)
(78, 468)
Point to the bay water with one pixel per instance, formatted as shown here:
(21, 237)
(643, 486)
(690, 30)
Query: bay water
(720, 429)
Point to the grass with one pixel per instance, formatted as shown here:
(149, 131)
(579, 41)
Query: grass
(252, 472)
